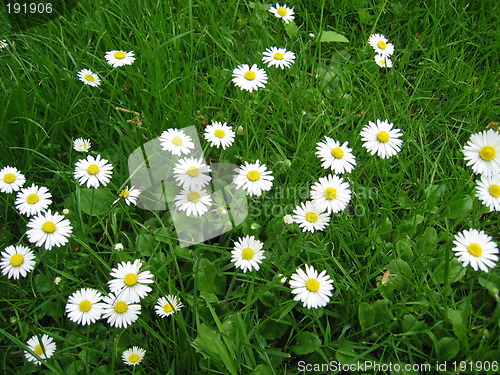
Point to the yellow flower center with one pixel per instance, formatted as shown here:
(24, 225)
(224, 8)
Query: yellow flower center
(121, 307)
(168, 308)
(130, 279)
(85, 305)
(193, 171)
(383, 136)
(250, 75)
(93, 169)
(32, 198)
(279, 56)
(495, 191)
(312, 285)
(194, 197)
(487, 153)
(177, 141)
(381, 44)
(281, 11)
(382, 62)
(475, 249)
(134, 358)
(9, 178)
(219, 133)
(247, 254)
(253, 175)
(16, 260)
(49, 227)
(124, 194)
(39, 349)
(330, 193)
(120, 55)
(89, 77)
(338, 153)
(311, 217)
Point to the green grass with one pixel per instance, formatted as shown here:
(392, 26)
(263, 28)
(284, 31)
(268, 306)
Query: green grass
(403, 216)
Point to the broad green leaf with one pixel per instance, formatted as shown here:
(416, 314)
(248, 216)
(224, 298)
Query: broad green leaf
(456, 271)
(307, 342)
(262, 370)
(382, 312)
(204, 274)
(458, 208)
(273, 330)
(366, 315)
(332, 36)
(404, 250)
(291, 29)
(457, 323)
(209, 344)
(427, 242)
(447, 348)
(95, 202)
(401, 273)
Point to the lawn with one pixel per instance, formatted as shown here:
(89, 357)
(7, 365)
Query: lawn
(402, 301)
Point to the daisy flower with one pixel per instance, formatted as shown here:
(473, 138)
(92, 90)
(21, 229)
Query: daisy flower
(331, 194)
(311, 289)
(288, 219)
(476, 248)
(17, 261)
(219, 134)
(383, 61)
(88, 77)
(247, 253)
(168, 305)
(381, 139)
(380, 45)
(488, 191)
(11, 180)
(81, 145)
(254, 178)
(249, 79)
(310, 218)
(120, 312)
(176, 141)
(3, 43)
(119, 58)
(129, 195)
(93, 171)
(190, 173)
(287, 14)
(278, 57)
(33, 200)
(482, 152)
(338, 157)
(44, 348)
(84, 306)
(195, 201)
(128, 283)
(49, 230)
(133, 356)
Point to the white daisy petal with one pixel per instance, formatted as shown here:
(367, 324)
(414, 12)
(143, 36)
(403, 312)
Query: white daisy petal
(33, 200)
(379, 139)
(247, 253)
(176, 141)
(11, 180)
(253, 178)
(49, 230)
(84, 306)
(128, 282)
(43, 346)
(93, 171)
(278, 57)
(88, 77)
(482, 152)
(249, 78)
(310, 217)
(17, 261)
(168, 305)
(133, 356)
(380, 45)
(219, 134)
(477, 249)
(117, 58)
(283, 12)
(310, 289)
